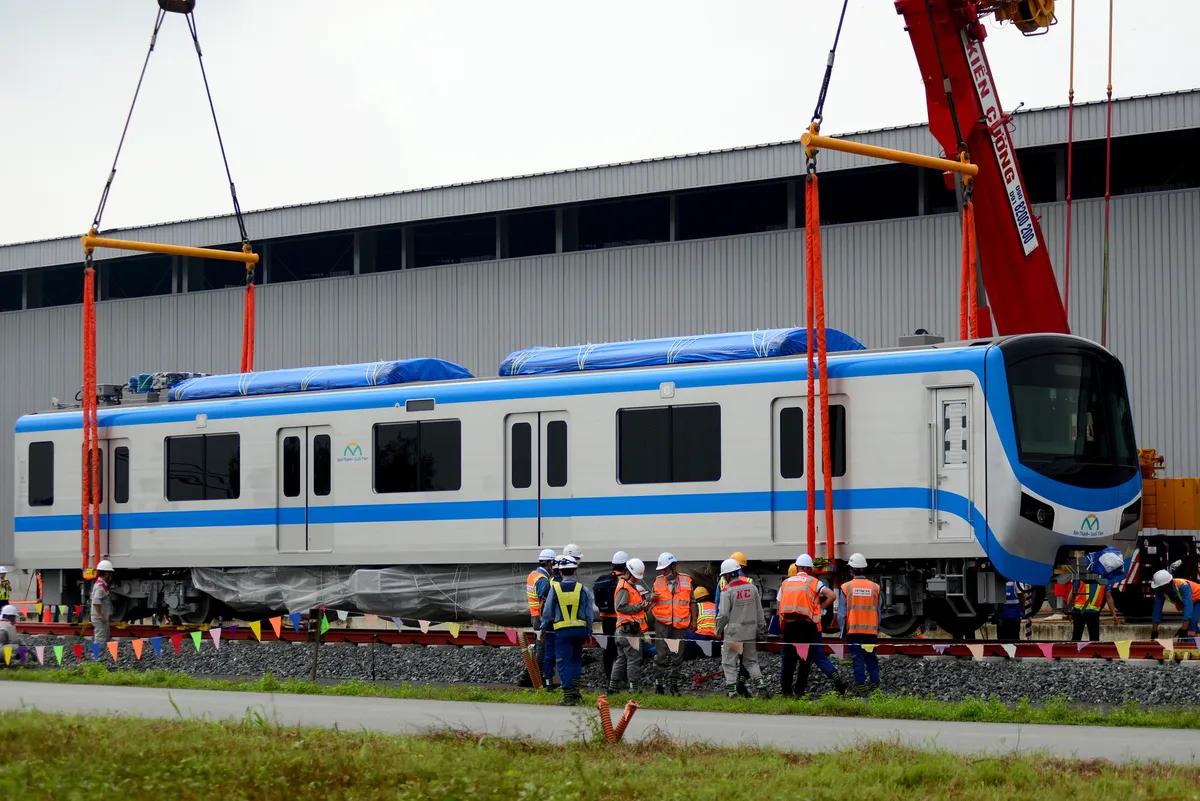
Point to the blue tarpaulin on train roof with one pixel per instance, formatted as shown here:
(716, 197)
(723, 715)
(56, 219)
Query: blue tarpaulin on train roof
(672, 350)
(315, 379)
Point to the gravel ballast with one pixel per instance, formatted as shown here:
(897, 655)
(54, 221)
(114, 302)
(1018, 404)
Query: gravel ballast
(1085, 681)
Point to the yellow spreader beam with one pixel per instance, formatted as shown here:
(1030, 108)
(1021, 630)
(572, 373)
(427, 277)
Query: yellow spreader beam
(813, 142)
(246, 256)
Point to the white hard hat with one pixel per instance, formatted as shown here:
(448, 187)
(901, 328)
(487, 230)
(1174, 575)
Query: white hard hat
(804, 560)
(574, 551)
(547, 556)
(857, 560)
(637, 567)
(105, 565)
(620, 558)
(665, 560)
(8, 611)
(1161, 578)
(730, 566)
(3, 570)
(567, 562)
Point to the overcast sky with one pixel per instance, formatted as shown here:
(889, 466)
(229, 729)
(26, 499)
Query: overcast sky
(321, 100)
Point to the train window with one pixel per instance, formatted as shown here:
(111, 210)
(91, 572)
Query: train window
(121, 475)
(322, 465)
(791, 442)
(556, 453)
(669, 444)
(522, 455)
(203, 467)
(41, 474)
(291, 467)
(837, 438)
(418, 457)
(99, 476)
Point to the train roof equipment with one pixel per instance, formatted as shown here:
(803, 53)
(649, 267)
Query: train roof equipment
(735, 346)
(317, 379)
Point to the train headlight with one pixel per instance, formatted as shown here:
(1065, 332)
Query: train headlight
(1132, 514)
(1034, 510)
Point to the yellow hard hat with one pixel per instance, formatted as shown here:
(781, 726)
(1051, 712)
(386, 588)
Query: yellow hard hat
(698, 593)
(738, 557)
(792, 570)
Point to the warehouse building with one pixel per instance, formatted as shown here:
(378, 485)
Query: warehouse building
(698, 243)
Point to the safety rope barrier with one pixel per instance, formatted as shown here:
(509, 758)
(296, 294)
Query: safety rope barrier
(1070, 163)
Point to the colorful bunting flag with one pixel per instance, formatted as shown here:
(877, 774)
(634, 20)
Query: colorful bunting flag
(838, 650)
(705, 646)
(1047, 649)
(78, 649)
(138, 644)
(481, 633)
(40, 650)
(277, 626)
(424, 624)
(1081, 645)
(324, 624)
(112, 649)
(24, 610)
(38, 607)
(673, 646)
(1123, 647)
(177, 643)
(256, 630)
(1010, 649)
(734, 646)
(399, 624)
(634, 642)
(196, 635)
(22, 651)
(601, 641)
(7, 655)
(802, 650)
(940, 648)
(976, 651)
(869, 647)
(343, 615)
(78, 611)
(1196, 641)
(511, 634)
(215, 633)
(58, 653)
(62, 611)
(156, 644)
(1168, 646)
(47, 615)
(233, 632)
(96, 651)
(295, 618)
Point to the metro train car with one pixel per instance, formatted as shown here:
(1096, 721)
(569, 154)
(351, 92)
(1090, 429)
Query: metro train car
(955, 467)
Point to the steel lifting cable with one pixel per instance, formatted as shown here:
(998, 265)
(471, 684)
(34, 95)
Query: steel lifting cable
(968, 301)
(815, 320)
(1070, 163)
(1107, 185)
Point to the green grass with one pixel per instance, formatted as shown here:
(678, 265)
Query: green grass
(1058, 711)
(53, 756)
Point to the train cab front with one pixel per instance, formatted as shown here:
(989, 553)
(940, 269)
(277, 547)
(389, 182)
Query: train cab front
(1065, 472)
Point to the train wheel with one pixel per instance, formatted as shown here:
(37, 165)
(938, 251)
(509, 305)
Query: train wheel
(900, 625)
(941, 613)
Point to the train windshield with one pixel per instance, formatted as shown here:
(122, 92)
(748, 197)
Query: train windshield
(1071, 413)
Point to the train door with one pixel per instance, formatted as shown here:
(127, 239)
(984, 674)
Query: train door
(536, 480)
(952, 465)
(116, 496)
(788, 485)
(303, 490)
(103, 449)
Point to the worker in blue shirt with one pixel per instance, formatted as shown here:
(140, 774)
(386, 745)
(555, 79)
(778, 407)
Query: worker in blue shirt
(568, 615)
(1008, 621)
(1185, 594)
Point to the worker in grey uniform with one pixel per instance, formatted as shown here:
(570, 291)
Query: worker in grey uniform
(740, 619)
(631, 602)
(101, 602)
(8, 626)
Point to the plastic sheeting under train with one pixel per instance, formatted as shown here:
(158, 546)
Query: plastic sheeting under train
(440, 593)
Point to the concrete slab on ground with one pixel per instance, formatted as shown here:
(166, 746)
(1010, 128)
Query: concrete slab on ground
(556, 724)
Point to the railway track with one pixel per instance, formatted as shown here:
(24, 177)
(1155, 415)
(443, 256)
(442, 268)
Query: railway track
(499, 639)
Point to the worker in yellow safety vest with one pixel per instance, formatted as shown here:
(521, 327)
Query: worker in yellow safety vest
(859, 609)
(672, 609)
(1086, 599)
(704, 614)
(537, 584)
(568, 613)
(5, 587)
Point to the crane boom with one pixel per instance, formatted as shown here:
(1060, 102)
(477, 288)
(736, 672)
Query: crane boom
(1017, 274)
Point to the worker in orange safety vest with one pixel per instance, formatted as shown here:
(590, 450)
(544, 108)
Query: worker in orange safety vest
(1086, 598)
(631, 602)
(537, 584)
(860, 605)
(802, 598)
(672, 610)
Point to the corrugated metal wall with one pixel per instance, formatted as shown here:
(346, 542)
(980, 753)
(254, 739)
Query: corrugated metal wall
(884, 279)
